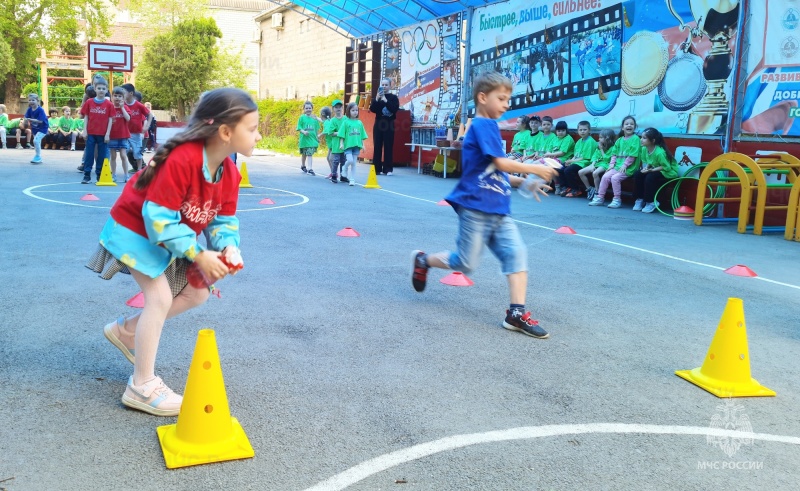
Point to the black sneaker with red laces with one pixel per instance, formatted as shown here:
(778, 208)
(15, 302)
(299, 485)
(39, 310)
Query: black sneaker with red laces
(419, 274)
(517, 320)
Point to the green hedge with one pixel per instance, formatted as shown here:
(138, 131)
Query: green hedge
(279, 122)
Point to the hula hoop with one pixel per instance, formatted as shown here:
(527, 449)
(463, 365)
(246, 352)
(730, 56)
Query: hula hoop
(675, 199)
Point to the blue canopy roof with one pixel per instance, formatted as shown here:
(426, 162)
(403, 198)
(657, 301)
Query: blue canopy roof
(365, 18)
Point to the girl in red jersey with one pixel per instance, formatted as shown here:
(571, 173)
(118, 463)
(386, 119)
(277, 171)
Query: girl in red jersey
(189, 186)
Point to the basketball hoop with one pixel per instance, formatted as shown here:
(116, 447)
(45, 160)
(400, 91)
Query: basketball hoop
(110, 57)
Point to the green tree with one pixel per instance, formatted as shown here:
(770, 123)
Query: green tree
(30, 25)
(177, 67)
(6, 59)
(167, 13)
(229, 70)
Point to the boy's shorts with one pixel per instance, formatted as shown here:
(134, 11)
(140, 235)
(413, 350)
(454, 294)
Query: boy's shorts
(498, 232)
(514, 155)
(118, 144)
(308, 151)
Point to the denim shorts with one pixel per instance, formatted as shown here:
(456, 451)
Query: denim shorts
(118, 144)
(498, 232)
(352, 153)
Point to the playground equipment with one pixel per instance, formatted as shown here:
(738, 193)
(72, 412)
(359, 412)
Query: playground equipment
(60, 62)
(750, 174)
(793, 214)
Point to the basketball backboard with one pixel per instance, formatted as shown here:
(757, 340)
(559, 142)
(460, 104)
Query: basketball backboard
(114, 57)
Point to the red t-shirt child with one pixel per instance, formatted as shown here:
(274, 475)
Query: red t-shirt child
(119, 128)
(99, 113)
(179, 185)
(139, 114)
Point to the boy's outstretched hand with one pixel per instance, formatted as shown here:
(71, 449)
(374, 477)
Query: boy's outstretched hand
(539, 188)
(544, 171)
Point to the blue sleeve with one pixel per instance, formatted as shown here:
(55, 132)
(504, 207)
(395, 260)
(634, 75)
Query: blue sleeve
(223, 231)
(487, 134)
(164, 227)
(40, 115)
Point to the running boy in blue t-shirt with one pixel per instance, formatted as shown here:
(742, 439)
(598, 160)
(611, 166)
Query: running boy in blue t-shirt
(482, 200)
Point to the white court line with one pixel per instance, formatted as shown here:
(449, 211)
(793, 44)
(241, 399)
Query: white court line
(620, 244)
(661, 254)
(610, 242)
(29, 192)
(387, 461)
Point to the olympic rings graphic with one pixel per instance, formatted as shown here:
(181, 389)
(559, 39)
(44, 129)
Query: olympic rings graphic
(420, 40)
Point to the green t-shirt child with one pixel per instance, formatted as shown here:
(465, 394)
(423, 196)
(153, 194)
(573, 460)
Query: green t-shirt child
(624, 148)
(520, 141)
(4, 120)
(353, 132)
(53, 124)
(584, 150)
(547, 143)
(659, 158)
(532, 143)
(77, 125)
(335, 142)
(566, 145)
(601, 159)
(65, 124)
(309, 124)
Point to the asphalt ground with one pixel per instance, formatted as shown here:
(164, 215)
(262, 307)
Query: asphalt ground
(343, 377)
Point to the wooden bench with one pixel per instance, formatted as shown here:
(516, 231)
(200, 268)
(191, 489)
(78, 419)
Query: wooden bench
(11, 136)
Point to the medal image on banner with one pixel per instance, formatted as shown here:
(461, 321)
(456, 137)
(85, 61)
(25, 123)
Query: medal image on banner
(683, 85)
(601, 102)
(644, 62)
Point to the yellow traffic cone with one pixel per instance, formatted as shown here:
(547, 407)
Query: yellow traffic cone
(205, 431)
(245, 178)
(372, 180)
(726, 369)
(105, 176)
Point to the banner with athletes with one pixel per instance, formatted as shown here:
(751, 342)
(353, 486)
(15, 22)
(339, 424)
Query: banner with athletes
(601, 60)
(424, 63)
(772, 83)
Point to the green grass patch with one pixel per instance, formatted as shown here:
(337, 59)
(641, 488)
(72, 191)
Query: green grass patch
(279, 123)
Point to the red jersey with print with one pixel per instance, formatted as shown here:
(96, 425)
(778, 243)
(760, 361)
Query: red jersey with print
(139, 114)
(99, 113)
(179, 185)
(119, 128)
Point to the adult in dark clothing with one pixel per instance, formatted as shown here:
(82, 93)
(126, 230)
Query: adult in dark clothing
(385, 106)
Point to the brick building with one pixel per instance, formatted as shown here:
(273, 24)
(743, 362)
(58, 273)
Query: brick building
(299, 57)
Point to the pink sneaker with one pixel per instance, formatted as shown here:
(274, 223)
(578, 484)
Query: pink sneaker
(153, 397)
